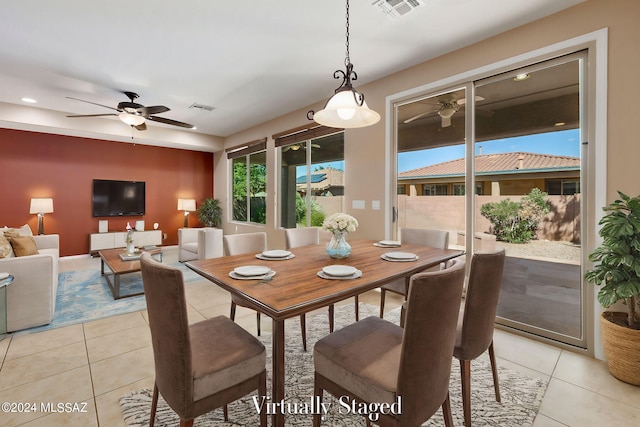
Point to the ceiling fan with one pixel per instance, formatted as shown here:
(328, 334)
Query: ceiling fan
(135, 114)
(445, 108)
(296, 147)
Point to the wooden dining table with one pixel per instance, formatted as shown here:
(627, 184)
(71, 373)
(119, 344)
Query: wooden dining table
(296, 287)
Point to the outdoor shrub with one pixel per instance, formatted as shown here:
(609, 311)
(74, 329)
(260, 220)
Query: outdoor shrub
(517, 222)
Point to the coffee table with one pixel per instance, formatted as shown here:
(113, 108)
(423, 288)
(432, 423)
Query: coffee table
(117, 267)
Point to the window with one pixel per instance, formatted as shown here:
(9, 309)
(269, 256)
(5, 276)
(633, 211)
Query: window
(434, 190)
(563, 187)
(311, 175)
(459, 189)
(249, 182)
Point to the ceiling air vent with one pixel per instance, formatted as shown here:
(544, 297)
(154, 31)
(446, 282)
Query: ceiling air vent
(397, 8)
(201, 107)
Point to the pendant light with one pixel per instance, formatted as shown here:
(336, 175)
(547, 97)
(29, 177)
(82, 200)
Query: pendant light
(347, 107)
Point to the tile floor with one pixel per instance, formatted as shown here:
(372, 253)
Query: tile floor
(95, 363)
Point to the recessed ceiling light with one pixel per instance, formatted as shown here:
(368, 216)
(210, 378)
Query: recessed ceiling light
(521, 77)
(29, 100)
(559, 124)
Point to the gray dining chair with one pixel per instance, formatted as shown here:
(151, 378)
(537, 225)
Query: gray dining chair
(474, 334)
(414, 236)
(236, 244)
(377, 361)
(296, 237)
(198, 367)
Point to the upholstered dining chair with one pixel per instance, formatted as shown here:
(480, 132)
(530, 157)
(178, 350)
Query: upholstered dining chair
(413, 236)
(296, 237)
(376, 361)
(198, 367)
(244, 243)
(236, 244)
(475, 326)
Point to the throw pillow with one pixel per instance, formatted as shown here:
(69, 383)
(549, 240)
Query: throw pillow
(5, 247)
(23, 246)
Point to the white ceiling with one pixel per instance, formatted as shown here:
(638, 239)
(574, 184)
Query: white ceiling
(250, 60)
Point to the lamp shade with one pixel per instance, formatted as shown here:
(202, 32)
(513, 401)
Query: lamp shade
(343, 111)
(131, 119)
(188, 205)
(41, 205)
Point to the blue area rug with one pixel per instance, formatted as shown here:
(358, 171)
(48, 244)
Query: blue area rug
(85, 295)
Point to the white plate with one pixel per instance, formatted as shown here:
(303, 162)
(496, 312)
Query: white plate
(355, 275)
(389, 242)
(339, 270)
(276, 253)
(400, 255)
(266, 258)
(252, 270)
(237, 276)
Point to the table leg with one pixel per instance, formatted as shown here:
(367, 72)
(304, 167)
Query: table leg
(277, 355)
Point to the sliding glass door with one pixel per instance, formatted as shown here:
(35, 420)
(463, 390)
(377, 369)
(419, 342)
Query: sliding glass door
(498, 163)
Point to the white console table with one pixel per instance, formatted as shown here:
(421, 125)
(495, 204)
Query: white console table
(99, 241)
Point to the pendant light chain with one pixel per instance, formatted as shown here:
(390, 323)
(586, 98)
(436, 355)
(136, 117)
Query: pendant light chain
(347, 59)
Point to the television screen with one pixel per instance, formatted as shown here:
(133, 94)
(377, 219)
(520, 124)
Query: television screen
(118, 198)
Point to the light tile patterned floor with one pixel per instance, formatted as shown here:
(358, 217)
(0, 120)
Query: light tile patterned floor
(97, 362)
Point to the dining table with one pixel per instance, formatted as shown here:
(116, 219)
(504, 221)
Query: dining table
(297, 287)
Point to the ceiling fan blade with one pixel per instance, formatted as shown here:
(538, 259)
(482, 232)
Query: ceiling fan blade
(154, 109)
(143, 126)
(170, 122)
(94, 103)
(93, 115)
(417, 116)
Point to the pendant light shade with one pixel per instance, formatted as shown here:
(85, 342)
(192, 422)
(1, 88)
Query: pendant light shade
(347, 107)
(344, 110)
(131, 119)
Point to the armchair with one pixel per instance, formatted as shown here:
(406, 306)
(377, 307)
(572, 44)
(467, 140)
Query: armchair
(31, 298)
(199, 243)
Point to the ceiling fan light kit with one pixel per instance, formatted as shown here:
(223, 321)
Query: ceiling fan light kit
(347, 107)
(131, 119)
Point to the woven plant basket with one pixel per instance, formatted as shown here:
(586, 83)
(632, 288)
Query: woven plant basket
(621, 348)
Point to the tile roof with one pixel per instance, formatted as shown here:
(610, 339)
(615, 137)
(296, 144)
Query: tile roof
(498, 163)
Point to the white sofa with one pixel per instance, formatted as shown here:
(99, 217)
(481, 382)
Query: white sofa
(31, 298)
(199, 243)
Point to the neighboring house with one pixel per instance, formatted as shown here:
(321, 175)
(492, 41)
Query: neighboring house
(324, 182)
(505, 174)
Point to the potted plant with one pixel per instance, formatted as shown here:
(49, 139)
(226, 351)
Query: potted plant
(617, 271)
(210, 212)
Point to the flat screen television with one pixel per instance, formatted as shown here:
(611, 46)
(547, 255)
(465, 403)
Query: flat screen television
(118, 198)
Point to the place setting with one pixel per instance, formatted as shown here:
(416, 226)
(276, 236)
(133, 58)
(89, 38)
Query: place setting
(399, 256)
(339, 272)
(275, 255)
(388, 244)
(252, 272)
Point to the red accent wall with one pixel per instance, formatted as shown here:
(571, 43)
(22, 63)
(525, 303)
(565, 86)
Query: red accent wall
(36, 164)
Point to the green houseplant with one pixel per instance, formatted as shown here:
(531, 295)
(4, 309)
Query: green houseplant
(616, 271)
(210, 212)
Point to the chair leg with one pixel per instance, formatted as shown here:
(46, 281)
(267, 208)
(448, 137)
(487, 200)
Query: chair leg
(402, 315)
(331, 312)
(317, 392)
(303, 328)
(465, 375)
(446, 412)
(186, 423)
(225, 412)
(357, 309)
(154, 405)
(262, 391)
(383, 294)
(494, 370)
(232, 315)
(258, 322)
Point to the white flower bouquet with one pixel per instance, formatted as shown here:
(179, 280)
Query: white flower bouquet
(340, 223)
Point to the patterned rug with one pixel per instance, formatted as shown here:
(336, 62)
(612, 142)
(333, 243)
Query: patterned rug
(84, 295)
(521, 396)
